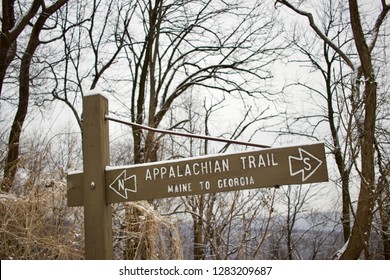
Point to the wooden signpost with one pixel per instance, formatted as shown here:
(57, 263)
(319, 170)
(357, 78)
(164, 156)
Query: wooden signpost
(99, 184)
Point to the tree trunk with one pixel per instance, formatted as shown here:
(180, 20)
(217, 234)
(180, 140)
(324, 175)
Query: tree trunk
(11, 164)
(360, 235)
(199, 253)
(17, 125)
(340, 160)
(145, 150)
(385, 220)
(384, 206)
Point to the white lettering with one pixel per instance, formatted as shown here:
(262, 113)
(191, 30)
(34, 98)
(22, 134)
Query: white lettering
(262, 160)
(171, 172)
(243, 162)
(187, 170)
(195, 168)
(306, 161)
(273, 160)
(163, 171)
(178, 171)
(251, 161)
(235, 182)
(121, 184)
(148, 175)
(225, 165)
(217, 167)
(156, 171)
(204, 169)
(180, 188)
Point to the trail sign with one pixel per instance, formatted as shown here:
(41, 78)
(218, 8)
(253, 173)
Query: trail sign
(99, 184)
(210, 174)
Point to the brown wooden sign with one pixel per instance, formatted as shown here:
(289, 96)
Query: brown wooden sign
(209, 174)
(99, 185)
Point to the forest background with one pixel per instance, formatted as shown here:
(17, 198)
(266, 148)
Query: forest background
(271, 72)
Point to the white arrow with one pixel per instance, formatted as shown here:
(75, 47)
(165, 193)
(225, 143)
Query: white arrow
(311, 164)
(119, 184)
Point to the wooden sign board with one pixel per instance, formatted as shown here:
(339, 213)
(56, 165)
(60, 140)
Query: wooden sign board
(99, 185)
(209, 174)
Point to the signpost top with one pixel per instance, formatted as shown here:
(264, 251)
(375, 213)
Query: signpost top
(95, 92)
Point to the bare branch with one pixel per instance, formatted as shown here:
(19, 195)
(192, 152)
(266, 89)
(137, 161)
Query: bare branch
(315, 28)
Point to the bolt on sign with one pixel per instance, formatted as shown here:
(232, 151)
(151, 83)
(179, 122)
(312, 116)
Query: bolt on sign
(210, 174)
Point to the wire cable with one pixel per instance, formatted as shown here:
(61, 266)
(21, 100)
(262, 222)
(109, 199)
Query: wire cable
(184, 134)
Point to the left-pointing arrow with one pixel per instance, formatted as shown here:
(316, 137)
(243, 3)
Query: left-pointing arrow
(123, 184)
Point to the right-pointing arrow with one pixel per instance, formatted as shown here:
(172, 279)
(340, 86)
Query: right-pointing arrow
(123, 184)
(306, 164)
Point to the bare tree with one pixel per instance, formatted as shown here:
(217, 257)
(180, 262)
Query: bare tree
(24, 80)
(161, 51)
(13, 23)
(186, 48)
(295, 199)
(223, 226)
(338, 112)
(93, 37)
(364, 92)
